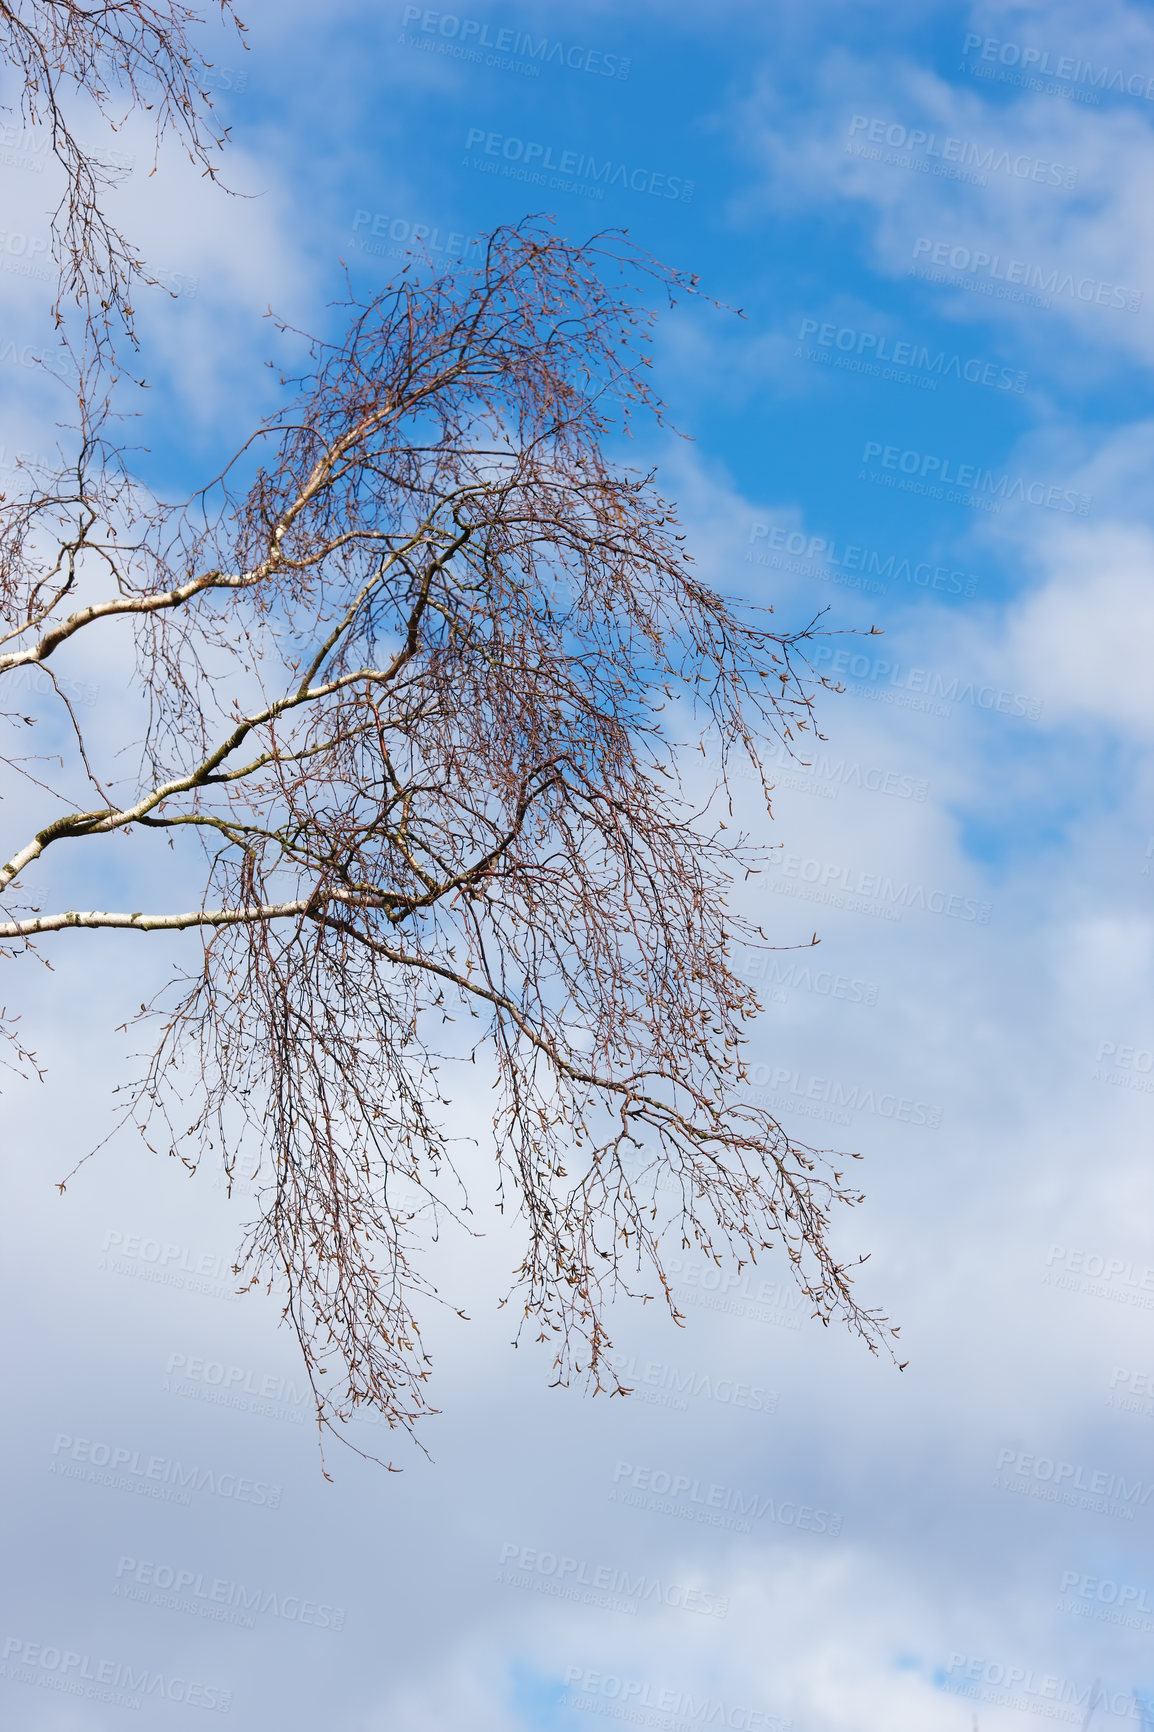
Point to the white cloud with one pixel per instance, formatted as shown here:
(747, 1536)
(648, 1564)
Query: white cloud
(1068, 197)
(1000, 1024)
(1085, 639)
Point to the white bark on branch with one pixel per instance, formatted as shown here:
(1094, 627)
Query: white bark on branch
(153, 922)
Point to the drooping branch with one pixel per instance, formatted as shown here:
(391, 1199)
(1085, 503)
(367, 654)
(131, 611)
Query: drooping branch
(419, 670)
(121, 57)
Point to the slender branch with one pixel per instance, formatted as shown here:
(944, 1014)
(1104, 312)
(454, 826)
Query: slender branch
(488, 640)
(153, 922)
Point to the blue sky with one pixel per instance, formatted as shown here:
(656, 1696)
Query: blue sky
(934, 417)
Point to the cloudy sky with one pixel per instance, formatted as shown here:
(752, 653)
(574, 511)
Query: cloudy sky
(935, 417)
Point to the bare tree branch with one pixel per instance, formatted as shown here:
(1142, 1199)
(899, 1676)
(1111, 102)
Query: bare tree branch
(123, 57)
(419, 670)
